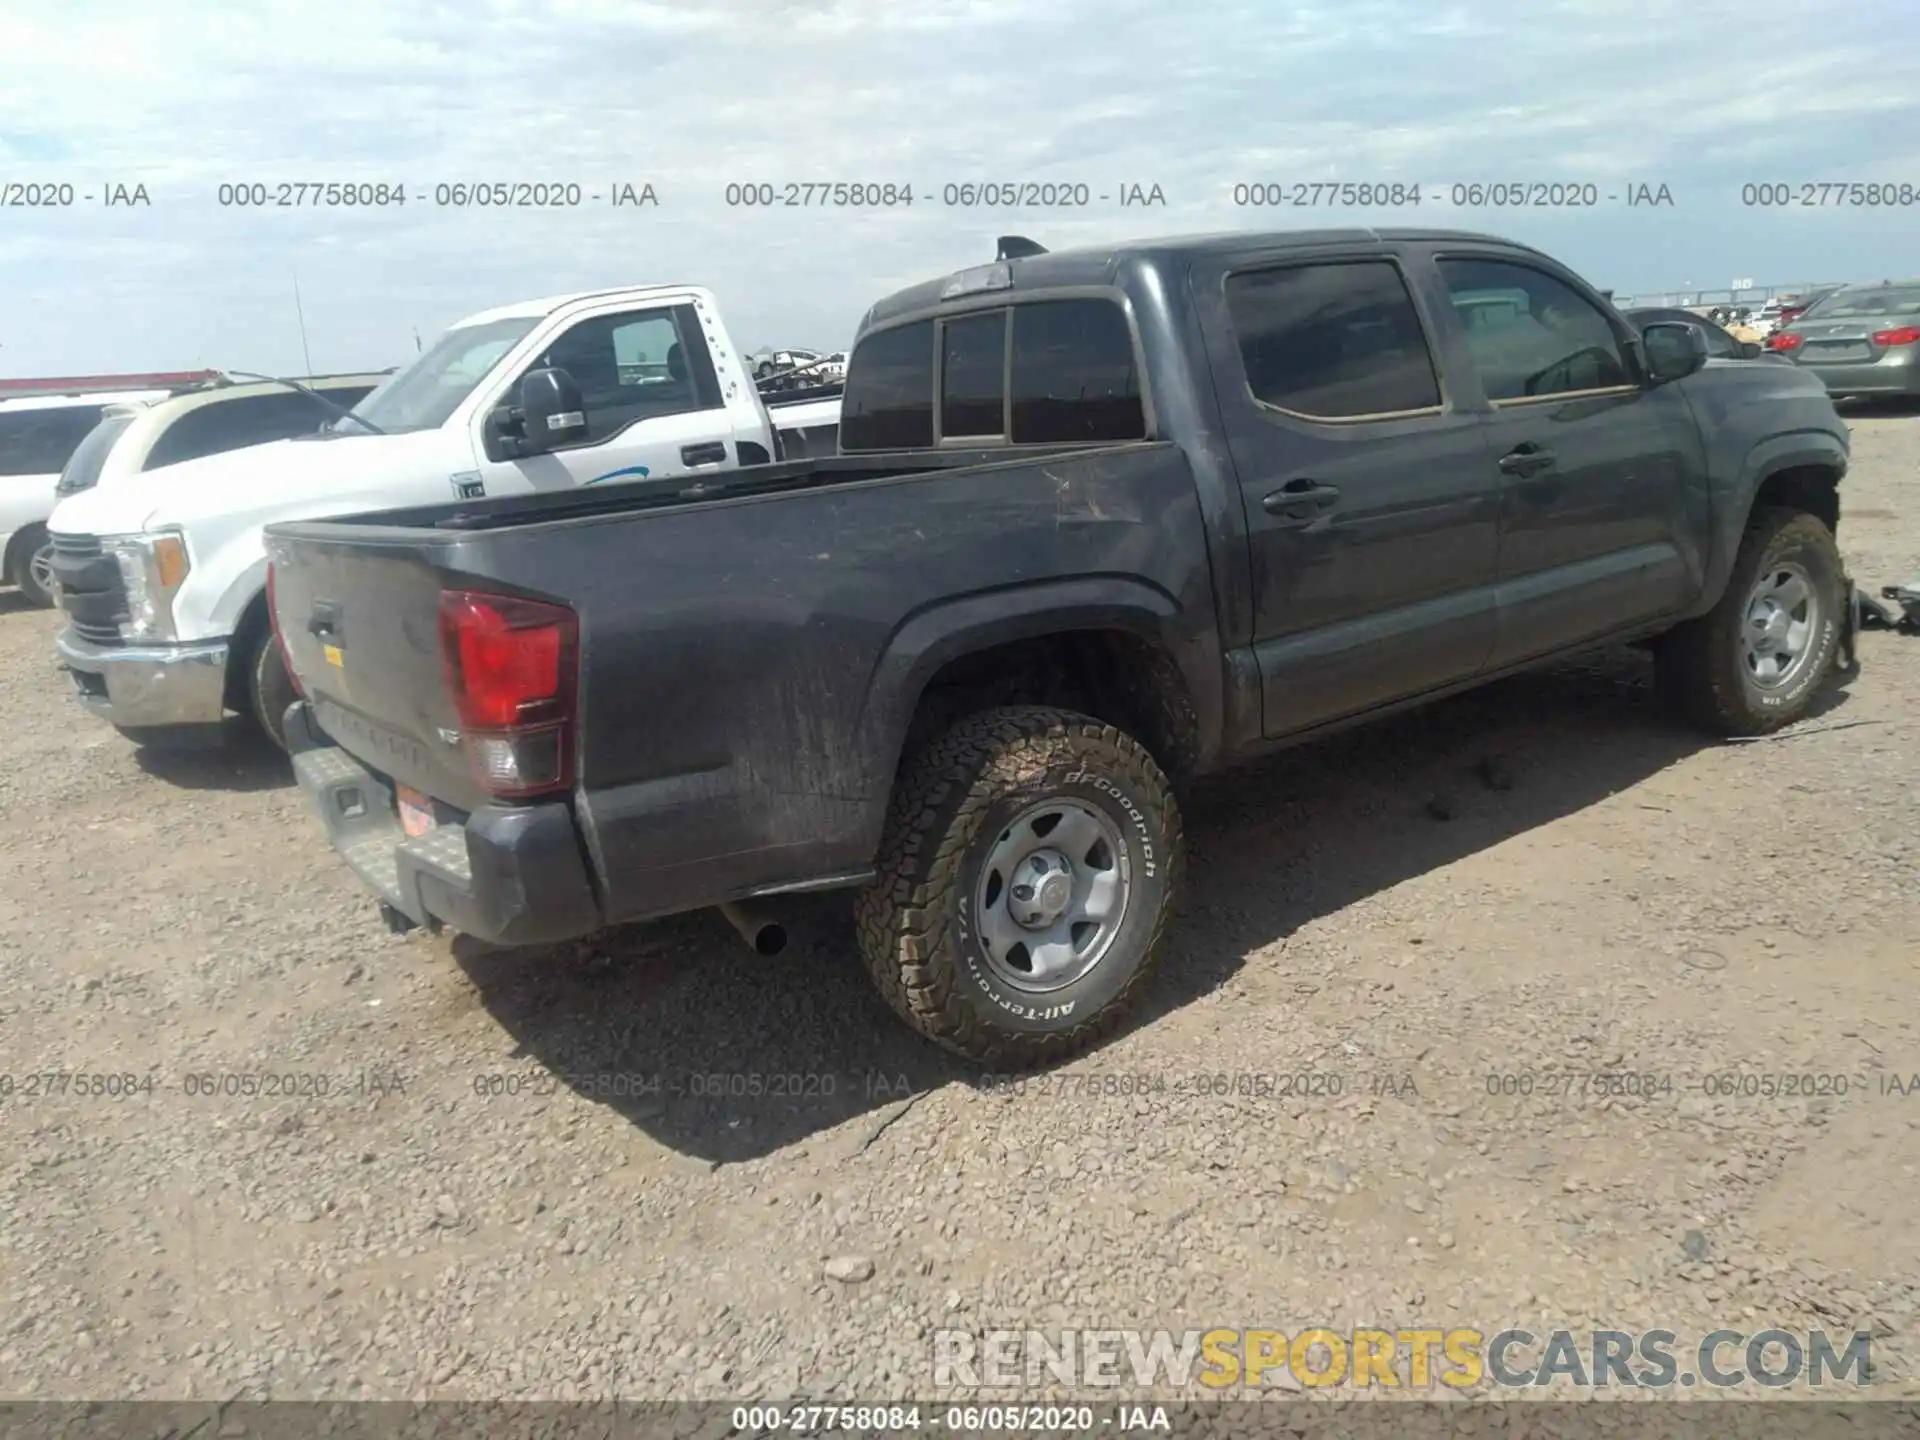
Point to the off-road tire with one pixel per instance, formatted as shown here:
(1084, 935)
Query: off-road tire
(269, 689)
(1700, 665)
(30, 542)
(955, 795)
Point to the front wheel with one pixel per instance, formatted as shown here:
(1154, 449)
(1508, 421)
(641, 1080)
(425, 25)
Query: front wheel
(35, 572)
(270, 689)
(1027, 872)
(1756, 660)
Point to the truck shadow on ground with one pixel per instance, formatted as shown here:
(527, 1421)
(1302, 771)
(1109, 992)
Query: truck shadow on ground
(12, 602)
(242, 760)
(725, 1056)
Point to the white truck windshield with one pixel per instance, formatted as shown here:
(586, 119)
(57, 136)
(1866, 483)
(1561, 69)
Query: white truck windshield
(424, 394)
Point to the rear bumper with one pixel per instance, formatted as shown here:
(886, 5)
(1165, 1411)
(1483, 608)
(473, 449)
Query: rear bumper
(510, 875)
(148, 687)
(1897, 373)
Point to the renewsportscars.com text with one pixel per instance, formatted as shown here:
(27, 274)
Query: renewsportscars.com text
(1418, 1359)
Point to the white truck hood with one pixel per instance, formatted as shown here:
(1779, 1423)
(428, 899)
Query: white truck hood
(285, 479)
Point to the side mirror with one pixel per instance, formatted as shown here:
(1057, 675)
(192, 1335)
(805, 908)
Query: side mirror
(1673, 350)
(552, 415)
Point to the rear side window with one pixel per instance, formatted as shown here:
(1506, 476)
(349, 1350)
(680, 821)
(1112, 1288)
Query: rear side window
(1332, 342)
(225, 425)
(83, 468)
(1074, 377)
(888, 404)
(973, 376)
(40, 442)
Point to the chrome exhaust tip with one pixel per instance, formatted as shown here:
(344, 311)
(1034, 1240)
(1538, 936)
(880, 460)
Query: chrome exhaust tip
(764, 934)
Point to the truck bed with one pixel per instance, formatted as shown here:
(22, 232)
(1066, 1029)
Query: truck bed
(751, 647)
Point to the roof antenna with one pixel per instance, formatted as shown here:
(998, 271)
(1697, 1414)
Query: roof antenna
(1018, 247)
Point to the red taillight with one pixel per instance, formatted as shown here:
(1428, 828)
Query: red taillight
(1782, 340)
(279, 639)
(511, 665)
(1903, 335)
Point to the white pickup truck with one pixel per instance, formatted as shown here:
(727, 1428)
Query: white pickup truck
(164, 583)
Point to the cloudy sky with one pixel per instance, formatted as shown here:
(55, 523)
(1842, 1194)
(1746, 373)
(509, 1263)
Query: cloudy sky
(1698, 95)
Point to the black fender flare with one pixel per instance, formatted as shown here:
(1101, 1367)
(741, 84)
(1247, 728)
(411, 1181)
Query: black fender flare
(1795, 450)
(951, 629)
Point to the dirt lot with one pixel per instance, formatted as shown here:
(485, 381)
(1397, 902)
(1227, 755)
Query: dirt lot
(1604, 894)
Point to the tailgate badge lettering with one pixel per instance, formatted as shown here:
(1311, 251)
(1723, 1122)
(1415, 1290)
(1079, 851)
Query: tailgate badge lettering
(468, 485)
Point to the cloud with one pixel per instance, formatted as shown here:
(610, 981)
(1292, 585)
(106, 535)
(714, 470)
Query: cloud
(691, 97)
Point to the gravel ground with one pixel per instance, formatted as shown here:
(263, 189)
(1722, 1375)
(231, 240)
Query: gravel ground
(1542, 876)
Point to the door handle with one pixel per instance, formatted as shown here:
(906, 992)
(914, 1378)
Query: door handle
(714, 452)
(1526, 458)
(1301, 499)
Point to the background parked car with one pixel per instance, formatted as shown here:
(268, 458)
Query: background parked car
(769, 363)
(38, 435)
(1792, 307)
(150, 434)
(1766, 319)
(1860, 339)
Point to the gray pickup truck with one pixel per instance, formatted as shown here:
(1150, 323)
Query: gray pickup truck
(1102, 521)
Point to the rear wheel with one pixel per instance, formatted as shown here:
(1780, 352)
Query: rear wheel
(1027, 873)
(269, 689)
(1756, 660)
(33, 566)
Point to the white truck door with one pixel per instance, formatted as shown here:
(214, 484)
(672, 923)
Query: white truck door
(653, 404)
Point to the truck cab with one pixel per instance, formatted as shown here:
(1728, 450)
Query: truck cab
(164, 582)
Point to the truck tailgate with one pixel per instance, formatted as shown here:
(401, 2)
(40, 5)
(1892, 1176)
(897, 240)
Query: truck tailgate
(360, 619)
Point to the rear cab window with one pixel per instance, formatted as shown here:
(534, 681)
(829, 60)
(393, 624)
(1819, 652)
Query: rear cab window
(1034, 372)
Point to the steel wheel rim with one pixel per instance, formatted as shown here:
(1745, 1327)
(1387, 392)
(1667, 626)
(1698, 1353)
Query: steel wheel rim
(40, 567)
(1077, 895)
(1782, 618)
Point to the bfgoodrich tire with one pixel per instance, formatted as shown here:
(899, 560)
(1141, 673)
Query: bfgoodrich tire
(1756, 660)
(269, 689)
(1027, 873)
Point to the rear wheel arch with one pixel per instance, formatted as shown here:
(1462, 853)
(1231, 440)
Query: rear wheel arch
(1117, 661)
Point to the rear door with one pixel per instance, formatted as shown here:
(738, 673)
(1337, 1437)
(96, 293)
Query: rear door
(1602, 477)
(1372, 509)
(653, 403)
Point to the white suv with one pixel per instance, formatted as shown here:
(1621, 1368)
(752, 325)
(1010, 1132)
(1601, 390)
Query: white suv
(151, 434)
(38, 435)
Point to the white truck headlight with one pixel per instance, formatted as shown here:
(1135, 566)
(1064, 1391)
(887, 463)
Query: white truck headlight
(154, 568)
